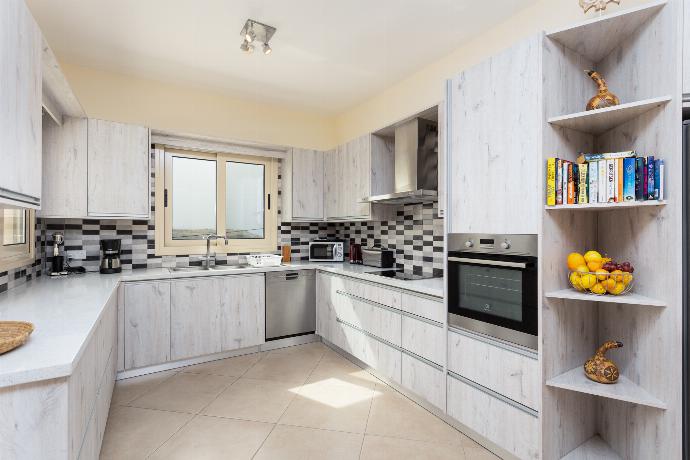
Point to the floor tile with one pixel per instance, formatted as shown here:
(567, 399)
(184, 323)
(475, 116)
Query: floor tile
(211, 438)
(331, 404)
(284, 367)
(236, 366)
(127, 390)
(383, 448)
(297, 443)
(132, 433)
(314, 349)
(394, 415)
(184, 392)
(479, 453)
(251, 399)
(333, 365)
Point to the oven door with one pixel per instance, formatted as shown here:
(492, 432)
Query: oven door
(495, 295)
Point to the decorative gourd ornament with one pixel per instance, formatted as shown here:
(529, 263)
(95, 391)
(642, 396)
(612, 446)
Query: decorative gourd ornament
(601, 369)
(598, 5)
(604, 97)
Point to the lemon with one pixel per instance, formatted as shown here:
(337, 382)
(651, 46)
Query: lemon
(588, 280)
(576, 282)
(617, 289)
(594, 265)
(617, 275)
(582, 269)
(609, 284)
(627, 278)
(602, 274)
(598, 288)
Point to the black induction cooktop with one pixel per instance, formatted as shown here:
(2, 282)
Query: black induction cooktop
(400, 275)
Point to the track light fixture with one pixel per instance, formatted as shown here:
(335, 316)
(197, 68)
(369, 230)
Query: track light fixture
(256, 31)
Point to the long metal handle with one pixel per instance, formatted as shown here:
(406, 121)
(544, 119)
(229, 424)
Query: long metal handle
(490, 392)
(497, 263)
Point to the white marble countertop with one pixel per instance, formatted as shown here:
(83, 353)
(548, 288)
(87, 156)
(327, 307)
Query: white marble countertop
(65, 311)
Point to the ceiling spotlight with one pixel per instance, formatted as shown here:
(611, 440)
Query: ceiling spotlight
(256, 31)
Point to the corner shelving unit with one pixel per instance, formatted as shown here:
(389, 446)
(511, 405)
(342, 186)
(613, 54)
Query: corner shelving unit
(581, 419)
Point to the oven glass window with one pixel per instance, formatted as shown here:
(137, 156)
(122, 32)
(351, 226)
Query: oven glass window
(492, 291)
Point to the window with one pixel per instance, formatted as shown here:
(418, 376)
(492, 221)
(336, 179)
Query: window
(215, 193)
(16, 237)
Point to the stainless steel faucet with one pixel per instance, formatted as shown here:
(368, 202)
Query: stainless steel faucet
(208, 239)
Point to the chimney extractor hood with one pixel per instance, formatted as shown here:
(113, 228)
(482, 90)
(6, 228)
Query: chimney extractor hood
(416, 164)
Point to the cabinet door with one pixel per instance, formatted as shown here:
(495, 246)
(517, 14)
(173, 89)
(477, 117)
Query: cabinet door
(195, 314)
(243, 311)
(20, 105)
(424, 379)
(307, 184)
(325, 317)
(495, 142)
(65, 165)
(118, 161)
(357, 171)
(147, 324)
(424, 339)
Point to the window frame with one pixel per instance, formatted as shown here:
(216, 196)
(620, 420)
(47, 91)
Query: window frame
(20, 255)
(165, 245)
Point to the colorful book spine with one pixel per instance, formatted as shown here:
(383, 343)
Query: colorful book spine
(576, 182)
(639, 181)
(602, 181)
(587, 157)
(620, 176)
(583, 184)
(610, 181)
(564, 178)
(629, 179)
(593, 182)
(657, 178)
(559, 181)
(551, 182)
(645, 179)
(571, 184)
(650, 177)
(662, 195)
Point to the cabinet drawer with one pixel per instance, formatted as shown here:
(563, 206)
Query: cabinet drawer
(425, 307)
(384, 358)
(504, 371)
(372, 317)
(514, 429)
(424, 339)
(371, 292)
(424, 380)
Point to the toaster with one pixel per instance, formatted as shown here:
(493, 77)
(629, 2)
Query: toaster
(378, 257)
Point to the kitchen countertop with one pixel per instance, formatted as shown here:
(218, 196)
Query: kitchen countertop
(65, 311)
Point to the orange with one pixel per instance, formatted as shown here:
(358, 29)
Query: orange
(602, 274)
(617, 275)
(593, 266)
(598, 289)
(617, 289)
(609, 284)
(575, 260)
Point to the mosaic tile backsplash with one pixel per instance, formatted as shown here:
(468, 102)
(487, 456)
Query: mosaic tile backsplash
(416, 235)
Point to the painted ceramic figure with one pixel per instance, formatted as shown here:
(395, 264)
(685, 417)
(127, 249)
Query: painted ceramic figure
(601, 369)
(598, 5)
(604, 97)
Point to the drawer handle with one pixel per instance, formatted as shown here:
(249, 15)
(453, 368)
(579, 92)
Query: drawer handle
(493, 394)
(369, 334)
(496, 263)
(367, 301)
(513, 349)
(422, 359)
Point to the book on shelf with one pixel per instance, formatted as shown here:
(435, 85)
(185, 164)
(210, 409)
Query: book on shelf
(614, 177)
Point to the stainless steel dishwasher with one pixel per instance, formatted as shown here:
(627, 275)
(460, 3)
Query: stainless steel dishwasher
(290, 304)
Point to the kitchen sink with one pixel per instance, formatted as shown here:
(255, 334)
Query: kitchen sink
(187, 269)
(231, 267)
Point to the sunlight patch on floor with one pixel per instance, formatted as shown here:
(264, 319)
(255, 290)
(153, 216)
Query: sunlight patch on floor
(335, 393)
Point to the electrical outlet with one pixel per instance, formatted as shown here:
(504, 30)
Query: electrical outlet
(76, 255)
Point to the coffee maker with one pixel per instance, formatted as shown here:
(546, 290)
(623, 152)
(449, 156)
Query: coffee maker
(110, 256)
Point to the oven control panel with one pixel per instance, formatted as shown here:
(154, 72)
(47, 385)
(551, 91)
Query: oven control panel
(497, 244)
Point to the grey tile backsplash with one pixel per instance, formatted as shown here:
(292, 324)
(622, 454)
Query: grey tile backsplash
(416, 235)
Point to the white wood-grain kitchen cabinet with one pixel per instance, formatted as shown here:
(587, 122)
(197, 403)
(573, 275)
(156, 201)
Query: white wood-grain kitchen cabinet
(118, 172)
(325, 310)
(357, 169)
(424, 379)
(95, 168)
(65, 163)
(303, 186)
(20, 107)
(495, 139)
(424, 306)
(146, 323)
(424, 338)
(243, 311)
(195, 311)
(511, 427)
(374, 318)
(442, 149)
(511, 373)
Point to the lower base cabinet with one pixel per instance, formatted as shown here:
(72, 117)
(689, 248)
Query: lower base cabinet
(513, 427)
(424, 379)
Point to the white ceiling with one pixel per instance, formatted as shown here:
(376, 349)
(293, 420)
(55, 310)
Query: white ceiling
(329, 55)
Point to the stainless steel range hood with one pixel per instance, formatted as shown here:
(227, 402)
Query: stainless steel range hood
(416, 164)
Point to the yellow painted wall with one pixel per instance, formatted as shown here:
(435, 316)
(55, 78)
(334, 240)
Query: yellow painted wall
(190, 110)
(425, 88)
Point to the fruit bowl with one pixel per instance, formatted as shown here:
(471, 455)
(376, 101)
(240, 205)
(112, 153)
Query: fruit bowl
(601, 282)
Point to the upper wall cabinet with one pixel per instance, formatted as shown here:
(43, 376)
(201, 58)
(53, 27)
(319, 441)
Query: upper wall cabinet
(20, 106)
(686, 50)
(442, 130)
(360, 168)
(303, 191)
(96, 168)
(495, 142)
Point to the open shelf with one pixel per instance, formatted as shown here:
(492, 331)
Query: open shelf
(624, 390)
(603, 206)
(596, 38)
(593, 448)
(629, 299)
(601, 120)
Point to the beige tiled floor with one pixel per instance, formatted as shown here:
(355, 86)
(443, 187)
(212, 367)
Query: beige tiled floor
(303, 402)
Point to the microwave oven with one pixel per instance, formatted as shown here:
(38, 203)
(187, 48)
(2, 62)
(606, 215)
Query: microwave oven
(327, 250)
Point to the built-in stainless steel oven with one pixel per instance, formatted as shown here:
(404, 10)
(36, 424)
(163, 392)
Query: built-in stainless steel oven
(492, 285)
